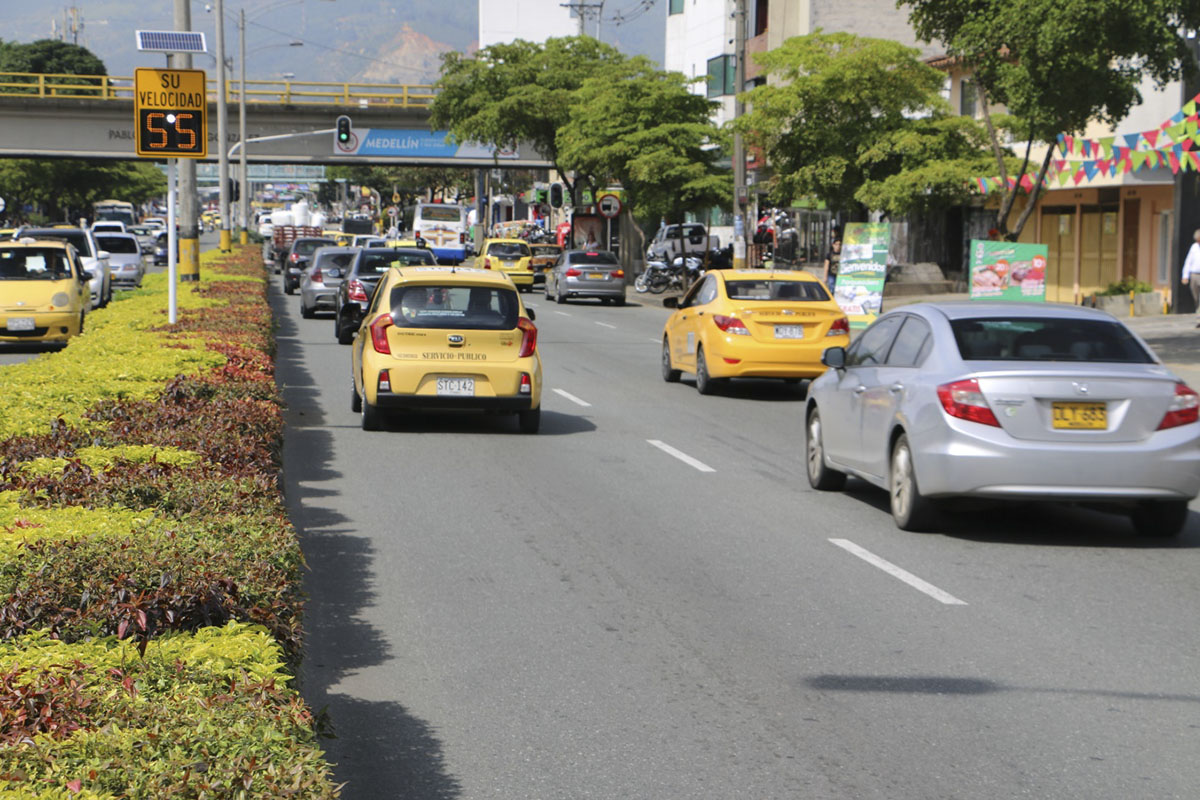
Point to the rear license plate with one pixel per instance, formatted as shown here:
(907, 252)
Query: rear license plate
(596, 276)
(456, 387)
(20, 323)
(789, 331)
(1080, 416)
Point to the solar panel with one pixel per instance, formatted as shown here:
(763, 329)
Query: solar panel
(171, 41)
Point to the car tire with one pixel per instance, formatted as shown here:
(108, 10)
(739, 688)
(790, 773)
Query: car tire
(345, 335)
(559, 296)
(618, 301)
(1160, 518)
(372, 417)
(820, 476)
(705, 383)
(355, 398)
(305, 311)
(669, 374)
(529, 421)
(287, 286)
(911, 510)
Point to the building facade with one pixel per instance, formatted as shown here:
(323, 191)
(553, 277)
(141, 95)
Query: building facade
(531, 20)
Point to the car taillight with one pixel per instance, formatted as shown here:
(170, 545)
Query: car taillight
(295, 257)
(573, 273)
(357, 291)
(840, 327)
(618, 273)
(528, 337)
(964, 399)
(731, 325)
(487, 263)
(462, 238)
(1184, 408)
(379, 338)
(315, 276)
(526, 384)
(385, 381)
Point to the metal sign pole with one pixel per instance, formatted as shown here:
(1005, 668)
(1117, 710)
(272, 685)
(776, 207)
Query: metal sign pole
(171, 245)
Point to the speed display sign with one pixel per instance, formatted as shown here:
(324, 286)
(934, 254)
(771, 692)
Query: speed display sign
(170, 113)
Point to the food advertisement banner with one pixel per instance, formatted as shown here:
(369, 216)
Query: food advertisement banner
(1008, 271)
(863, 270)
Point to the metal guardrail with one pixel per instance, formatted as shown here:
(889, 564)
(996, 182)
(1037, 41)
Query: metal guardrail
(285, 92)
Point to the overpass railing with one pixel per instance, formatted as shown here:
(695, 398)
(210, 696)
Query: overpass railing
(282, 92)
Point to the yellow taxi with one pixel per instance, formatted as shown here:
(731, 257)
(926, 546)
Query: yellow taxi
(544, 256)
(44, 293)
(510, 256)
(447, 338)
(751, 323)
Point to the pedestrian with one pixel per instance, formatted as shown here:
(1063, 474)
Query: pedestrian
(1191, 271)
(833, 263)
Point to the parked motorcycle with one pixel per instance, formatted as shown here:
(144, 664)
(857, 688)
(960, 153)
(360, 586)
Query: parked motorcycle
(654, 279)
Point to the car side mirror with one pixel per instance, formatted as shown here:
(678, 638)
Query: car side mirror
(86, 275)
(103, 254)
(532, 316)
(671, 302)
(834, 357)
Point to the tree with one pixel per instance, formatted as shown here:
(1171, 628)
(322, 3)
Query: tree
(858, 123)
(642, 127)
(507, 95)
(66, 188)
(51, 57)
(411, 183)
(1058, 65)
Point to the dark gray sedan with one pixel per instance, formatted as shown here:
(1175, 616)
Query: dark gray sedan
(587, 273)
(319, 283)
(358, 285)
(1010, 401)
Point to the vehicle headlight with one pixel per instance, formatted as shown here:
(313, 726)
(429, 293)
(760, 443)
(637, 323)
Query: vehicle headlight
(60, 299)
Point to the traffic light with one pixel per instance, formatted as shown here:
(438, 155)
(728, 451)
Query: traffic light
(235, 190)
(556, 195)
(344, 131)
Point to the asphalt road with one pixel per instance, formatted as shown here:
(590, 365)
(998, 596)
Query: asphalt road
(587, 614)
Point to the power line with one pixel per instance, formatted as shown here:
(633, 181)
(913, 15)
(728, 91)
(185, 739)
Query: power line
(339, 50)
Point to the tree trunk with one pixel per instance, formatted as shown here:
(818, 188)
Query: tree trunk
(1035, 194)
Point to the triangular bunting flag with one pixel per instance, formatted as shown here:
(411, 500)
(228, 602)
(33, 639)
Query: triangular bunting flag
(1194, 157)
(1187, 144)
(1062, 143)
(1070, 143)
(1107, 144)
(1138, 158)
(1060, 165)
(1174, 162)
(1131, 140)
(1189, 108)
(1079, 176)
(1126, 166)
(1027, 182)
(1085, 148)
(1151, 137)
(1090, 169)
(1177, 116)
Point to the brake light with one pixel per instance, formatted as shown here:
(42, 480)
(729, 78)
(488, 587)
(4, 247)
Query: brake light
(731, 325)
(357, 291)
(487, 263)
(462, 238)
(573, 273)
(295, 257)
(840, 327)
(1184, 408)
(618, 273)
(315, 276)
(528, 337)
(379, 334)
(964, 400)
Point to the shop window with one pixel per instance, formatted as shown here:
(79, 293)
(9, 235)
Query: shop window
(722, 75)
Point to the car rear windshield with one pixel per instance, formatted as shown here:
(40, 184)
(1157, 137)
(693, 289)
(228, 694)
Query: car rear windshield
(379, 263)
(486, 308)
(508, 249)
(593, 257)
(117, 244)
(77, 238)
(445, 214)
(32, 264)
(1037, 339)
(776, 290)
(305, 247)
(327, 260)
(545, 250)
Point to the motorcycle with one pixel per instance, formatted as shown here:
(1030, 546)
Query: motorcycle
(654, 279)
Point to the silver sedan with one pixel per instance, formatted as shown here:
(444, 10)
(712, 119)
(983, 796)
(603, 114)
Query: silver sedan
(319, 282)
(1006, 400)
(587, 273)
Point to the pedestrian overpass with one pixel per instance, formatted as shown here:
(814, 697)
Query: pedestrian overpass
(92, 116)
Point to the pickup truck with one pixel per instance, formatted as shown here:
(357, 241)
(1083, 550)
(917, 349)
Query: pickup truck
(667, 243)
(282, 238)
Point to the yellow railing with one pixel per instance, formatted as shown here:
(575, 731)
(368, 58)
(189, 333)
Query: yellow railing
(288, 92)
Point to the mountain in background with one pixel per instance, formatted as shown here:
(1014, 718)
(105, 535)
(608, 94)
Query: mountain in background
(343, 40)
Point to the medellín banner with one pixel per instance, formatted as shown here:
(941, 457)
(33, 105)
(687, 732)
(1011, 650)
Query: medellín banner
(1008, 271)
(863, 271)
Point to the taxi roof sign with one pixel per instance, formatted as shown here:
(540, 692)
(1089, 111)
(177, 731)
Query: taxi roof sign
(170, 112)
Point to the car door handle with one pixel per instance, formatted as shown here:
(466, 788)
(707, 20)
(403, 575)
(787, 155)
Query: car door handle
(859, 389)
(699, 313)
(896, 388)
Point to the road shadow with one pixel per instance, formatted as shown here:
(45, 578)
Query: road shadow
(951, 685)
(762, 390)
(435, 423)
(377, 748)
(1044, 524)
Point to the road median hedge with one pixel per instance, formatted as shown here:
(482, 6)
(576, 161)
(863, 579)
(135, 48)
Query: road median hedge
(149, 576)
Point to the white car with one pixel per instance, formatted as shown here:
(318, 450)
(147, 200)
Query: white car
(124, 258)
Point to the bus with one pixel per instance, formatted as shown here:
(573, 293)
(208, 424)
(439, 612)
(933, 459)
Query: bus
(117, 210)
(442, 226)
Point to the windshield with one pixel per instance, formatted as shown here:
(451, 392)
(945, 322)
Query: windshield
(508, 249)
(29, 263)
(117, 244)
(473, 307)
(75, 237)
(776, 290)
(327, 260)
(305, 247)
(441, 214)
(1033, 339)
(380, 262)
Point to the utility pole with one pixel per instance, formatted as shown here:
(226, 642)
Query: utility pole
(582, 9)
(244, 193)
(189, 236)
(740, 194)
(222, 130)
